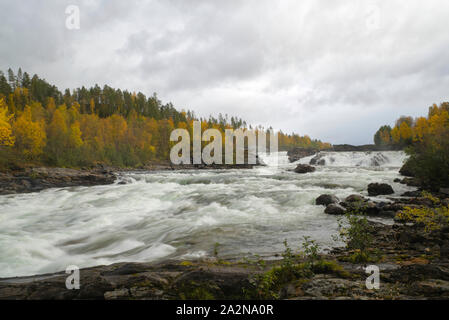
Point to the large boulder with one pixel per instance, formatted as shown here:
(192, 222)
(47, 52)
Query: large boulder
(335, 209)
(304, 168)
(326, 199)
(377, 189)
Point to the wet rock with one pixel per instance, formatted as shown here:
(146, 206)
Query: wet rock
(304, 168)
(393, 206)
(407, 170)
(416, 193)
(377, 189)
(326, 199)
(387, 213)
(432, 287)
(354, 198)
(411, 182)
(421, 201)
(335, 209)
(370, 208)
(318, 160)
(37, 179)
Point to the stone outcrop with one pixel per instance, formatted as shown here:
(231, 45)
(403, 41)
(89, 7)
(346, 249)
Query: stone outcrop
(37, 179)
(326, 199)
(335, 209)
(377, 189)
(304, 168)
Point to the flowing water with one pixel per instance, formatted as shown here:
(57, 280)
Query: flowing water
(182, 214)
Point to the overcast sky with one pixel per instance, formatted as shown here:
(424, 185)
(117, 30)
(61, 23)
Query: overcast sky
(335, 70)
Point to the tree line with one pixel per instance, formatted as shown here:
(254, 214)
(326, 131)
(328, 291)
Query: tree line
(87, 126)
(426, 140)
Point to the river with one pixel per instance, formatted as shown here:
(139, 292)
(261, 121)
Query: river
(154, 216)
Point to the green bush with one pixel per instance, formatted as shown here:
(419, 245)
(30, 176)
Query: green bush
(355, 231)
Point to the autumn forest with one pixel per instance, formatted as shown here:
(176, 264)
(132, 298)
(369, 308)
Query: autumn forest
(426, 140)
(89, 126)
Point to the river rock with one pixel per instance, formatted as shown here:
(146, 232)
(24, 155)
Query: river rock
(370, 208)
(354, 198)
(422, 201)
(326, 199)
(407, 170)
(387, 214)
(432, 287)
(335, 209)
(411, 194)
(377, 189)
(37, 179)
(318, 160)
(304, 168)
(411, 182)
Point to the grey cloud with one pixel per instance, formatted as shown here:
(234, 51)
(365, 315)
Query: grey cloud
(336, 70)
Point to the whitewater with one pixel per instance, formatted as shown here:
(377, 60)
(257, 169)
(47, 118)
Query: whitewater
(182, 215)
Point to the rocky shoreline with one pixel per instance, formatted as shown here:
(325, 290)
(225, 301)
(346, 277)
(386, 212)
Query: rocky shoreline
(35, 179)
(413, 263)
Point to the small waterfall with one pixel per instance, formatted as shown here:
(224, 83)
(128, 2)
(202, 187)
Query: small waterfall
(392, 159)
(274, 159)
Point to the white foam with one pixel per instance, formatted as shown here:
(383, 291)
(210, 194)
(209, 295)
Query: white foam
(393, 159)
(161, 215)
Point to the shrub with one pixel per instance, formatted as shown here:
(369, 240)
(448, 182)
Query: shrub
(355, 232)
(268, 284)
(431, 218)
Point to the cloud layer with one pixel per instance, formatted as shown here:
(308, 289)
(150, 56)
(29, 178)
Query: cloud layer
(335, 70)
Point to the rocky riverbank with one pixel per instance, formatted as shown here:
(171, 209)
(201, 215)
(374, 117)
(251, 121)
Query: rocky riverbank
(35, 179)
(413, 264)
(38, 179)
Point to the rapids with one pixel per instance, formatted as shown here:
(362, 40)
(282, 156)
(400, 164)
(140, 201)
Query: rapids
(182, 214)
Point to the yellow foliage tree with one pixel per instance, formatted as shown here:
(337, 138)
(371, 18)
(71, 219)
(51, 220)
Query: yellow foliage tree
(57, 135)
(30, 135)
(75, 137)
(396, 135)
(6, 137)
(421, 129)
(405, 132)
